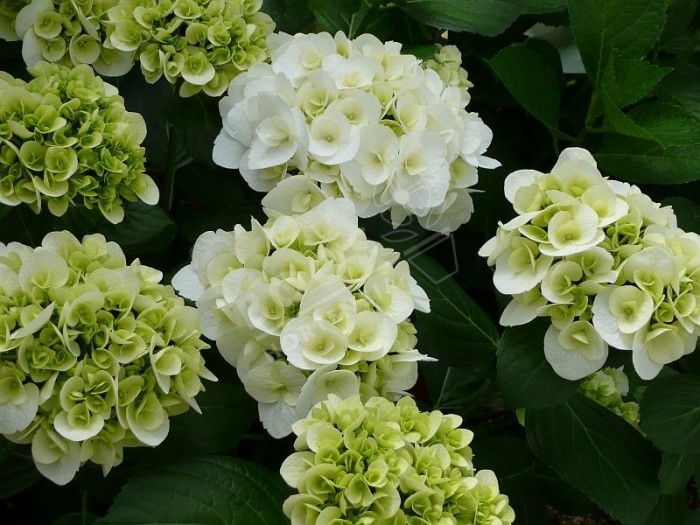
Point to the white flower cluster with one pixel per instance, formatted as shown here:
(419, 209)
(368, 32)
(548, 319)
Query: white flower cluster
(305, 305)
(363, 122)
(607, 264)
(95, 354)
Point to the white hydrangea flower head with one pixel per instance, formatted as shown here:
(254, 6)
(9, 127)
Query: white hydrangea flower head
(361, 121)
(305, 305)
(379, 462)
(95, 355)
(604, 262)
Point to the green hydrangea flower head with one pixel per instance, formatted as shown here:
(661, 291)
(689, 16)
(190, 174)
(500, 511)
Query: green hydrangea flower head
(68, 140)
(447, 62)
(70, 33)
(8, 15)
(206, 43)
(95, 354)
(384, 463)
(608, 387)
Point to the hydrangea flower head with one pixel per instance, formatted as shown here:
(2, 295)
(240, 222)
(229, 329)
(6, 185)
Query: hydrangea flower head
(71, 33)
(95, 355)
(305, 305)
(361, 121)
(8, 14)
(608, 387)
(69, 140)
(603, 261)
(384, 463)
(206, 43)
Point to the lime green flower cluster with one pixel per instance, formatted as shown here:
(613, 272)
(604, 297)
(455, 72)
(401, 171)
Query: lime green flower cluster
(447, 63)
(381, 463)
(607, 387)
(68, 140)
(95, 354)
(8, 15)
(206, 42)
(70, 33)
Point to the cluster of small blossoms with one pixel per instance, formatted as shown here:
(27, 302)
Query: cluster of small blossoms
(305, 305)
(363, 122)
(70, 33)
(607, 387)
(205, 42)
(381, 463)
(603, 261)
(95, 354)
(68, 140)
(8, 15)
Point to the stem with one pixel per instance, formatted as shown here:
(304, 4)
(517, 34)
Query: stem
(83, 507)
(170, 168)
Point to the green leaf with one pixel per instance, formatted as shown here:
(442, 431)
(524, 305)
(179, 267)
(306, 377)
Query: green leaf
(670, 414)
(75, 518)
(512, 461)
(18, 471)
(681, 87)
(637, 160)
(335, 16)
(461, 391)
(145, 228)
(618, 121)
(629, 26)
(629, 81)
(198, 123)
(600, 453)
(670, 510)
(676, 470)
(486, 17)
(457, 331)
(290, 16)
(666, 124)
(525, 377)
(544, 6)
(687, 213)
(532, 74)
(209, 491)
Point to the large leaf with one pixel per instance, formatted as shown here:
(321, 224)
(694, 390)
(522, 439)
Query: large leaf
(335, 16)
(600, 453)
(461, 391)
(197, 123)
(629, 26)
(457, 331)
(682, 87)
(628, 81)
(670, 414)
(676, 470)
(666, 124)
(486, 17)
(532, 73)
(638, 160)
(687, 213)
(525, 377)
(18, 470)
(208, 491)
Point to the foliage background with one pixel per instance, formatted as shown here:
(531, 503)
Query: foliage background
(637, 108)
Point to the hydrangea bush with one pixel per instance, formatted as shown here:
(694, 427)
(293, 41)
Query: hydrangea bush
(68, 140)
(305, 305)
(381, 463)
(603, 261)
(96, 355)
(361, 120)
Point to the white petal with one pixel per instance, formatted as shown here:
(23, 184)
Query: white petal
(277, 418)
(186, 283)
(568, 364)
(14, 418)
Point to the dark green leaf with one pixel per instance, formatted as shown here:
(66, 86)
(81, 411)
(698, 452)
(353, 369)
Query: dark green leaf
(637, 160)
(600, 453)
(533, 77)
(75, 518)
(290, 16)
(669, 510)
(687, 213)
(486, 17)
(544, 6)
(512, 461)
(462, 391)
(629, 81)
(617, 120)
(197, 122)
(682, 87)
(525, 377)
(335, 16)
(458, 331)
(676, 470)
(18, 471)
(666, 124)
(670, 414)
(208, 491)
(629, 26)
